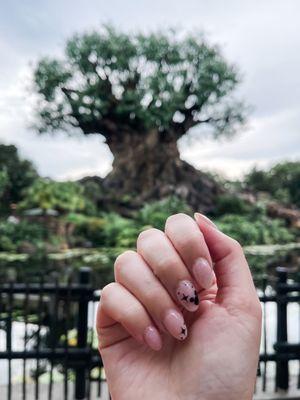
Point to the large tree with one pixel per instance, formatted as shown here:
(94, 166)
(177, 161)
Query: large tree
(142, 92)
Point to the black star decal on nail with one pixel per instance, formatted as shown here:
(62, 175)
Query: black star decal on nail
(195, 299)
(185, 297)
(183, 330)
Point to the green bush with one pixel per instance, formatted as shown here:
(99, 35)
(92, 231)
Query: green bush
(249, 231)
(87, 228)
(47, 194)
(108, 230)
(15, 176)
(230, 204)
(119, 231)
(13, 235)
(156, 213)
(282, 182)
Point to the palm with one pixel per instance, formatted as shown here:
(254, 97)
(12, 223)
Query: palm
(175, 372)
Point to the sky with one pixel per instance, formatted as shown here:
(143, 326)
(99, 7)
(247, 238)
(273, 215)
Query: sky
(261, 37)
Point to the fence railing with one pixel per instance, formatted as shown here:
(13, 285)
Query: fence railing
(48, 346)
(52, 325)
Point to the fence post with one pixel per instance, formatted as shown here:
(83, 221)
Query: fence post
(282, 366)
(82, 332)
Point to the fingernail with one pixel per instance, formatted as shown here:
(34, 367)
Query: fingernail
(199, 216)
(153, 338)
(203, 273)
(187, 295)
(175, 324)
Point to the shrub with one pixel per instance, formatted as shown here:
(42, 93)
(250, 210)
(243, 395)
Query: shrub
(230, 204)
(13, 235)
(156, 213)
(119, 231)
(47, 194)
(282, 182)
(88, 228)
(250, 231)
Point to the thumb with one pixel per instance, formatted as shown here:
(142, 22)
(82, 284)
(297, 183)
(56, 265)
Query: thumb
(233, 275)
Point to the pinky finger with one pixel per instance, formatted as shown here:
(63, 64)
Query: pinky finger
(120, 315)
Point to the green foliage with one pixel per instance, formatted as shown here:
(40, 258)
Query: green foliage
(119, 231)
(155, 213)
(230, 204)
(3, 181)
(47, 194)
(114, 230)
(282, 182)
(13, 235)
(88, 228)
(15, 176)
(108, 80)
(250, 230)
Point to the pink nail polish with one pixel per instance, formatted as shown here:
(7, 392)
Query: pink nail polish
(203, 273)
(187, 295)
(175, 324)
(153, 338)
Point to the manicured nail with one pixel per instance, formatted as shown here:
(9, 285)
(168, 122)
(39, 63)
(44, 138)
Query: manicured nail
(175, 324)
(187, 295)
(203, 273)
(153, 338)
(199, 216)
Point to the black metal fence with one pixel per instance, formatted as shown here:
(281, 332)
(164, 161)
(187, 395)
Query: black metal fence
(57, 347)
(48, 348)
(279, 366)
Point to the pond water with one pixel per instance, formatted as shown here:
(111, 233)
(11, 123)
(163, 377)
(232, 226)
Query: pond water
(31, 268)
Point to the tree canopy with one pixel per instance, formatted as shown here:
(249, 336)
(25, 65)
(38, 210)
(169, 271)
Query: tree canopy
(111, 82)
(15, 176)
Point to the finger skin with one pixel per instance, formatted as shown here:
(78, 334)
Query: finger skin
(132, 272)
(121, 315)
(188, 240)
(234, 279)
(157, 250)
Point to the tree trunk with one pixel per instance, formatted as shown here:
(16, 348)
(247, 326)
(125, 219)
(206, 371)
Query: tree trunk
(148, 167)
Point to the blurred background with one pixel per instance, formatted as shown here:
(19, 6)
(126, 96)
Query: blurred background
(115, 115)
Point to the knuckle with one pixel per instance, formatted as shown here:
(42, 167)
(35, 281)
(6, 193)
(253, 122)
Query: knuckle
(236, 245)
(152, 294)
(128, 313)
(164, 263)
(146, 235)
(106, 292)
(184, 241)
(122, 260)
(174, 218)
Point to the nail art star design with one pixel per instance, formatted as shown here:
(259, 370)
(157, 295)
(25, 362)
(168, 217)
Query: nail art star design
(185, 297)
(183, 332)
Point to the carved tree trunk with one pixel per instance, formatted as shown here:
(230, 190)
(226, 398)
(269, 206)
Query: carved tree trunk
(148, 167)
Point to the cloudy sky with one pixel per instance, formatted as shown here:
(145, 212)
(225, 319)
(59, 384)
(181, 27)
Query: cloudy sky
(260, 36)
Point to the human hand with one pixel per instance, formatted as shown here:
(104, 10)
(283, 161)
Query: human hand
(157, 341)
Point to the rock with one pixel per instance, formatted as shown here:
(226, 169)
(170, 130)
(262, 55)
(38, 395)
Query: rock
(290, 215)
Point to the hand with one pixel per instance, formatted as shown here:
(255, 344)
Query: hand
(170, 327)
